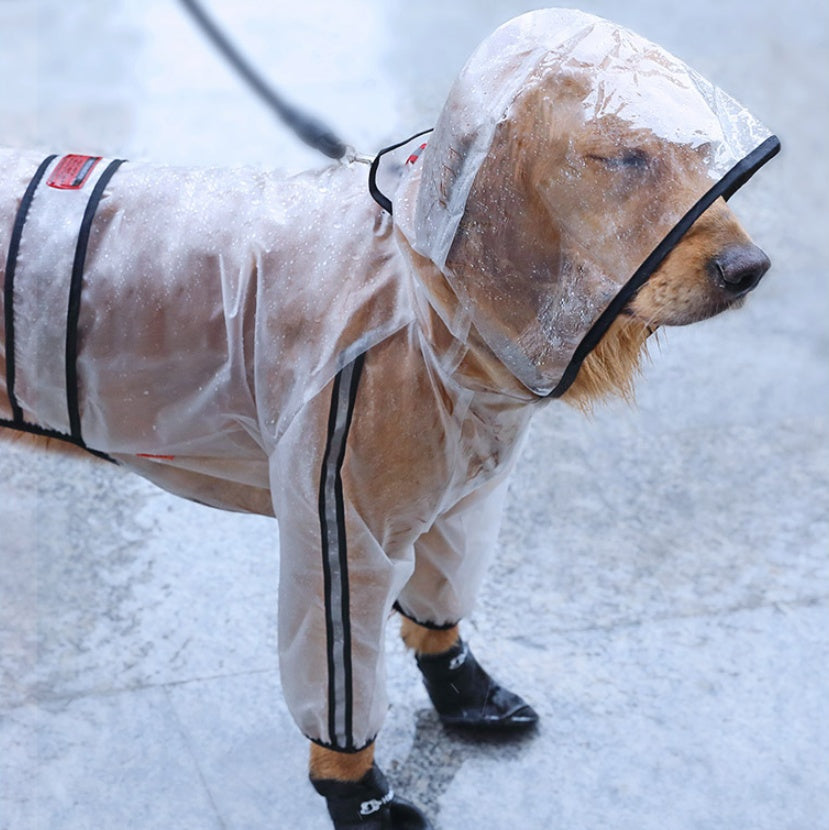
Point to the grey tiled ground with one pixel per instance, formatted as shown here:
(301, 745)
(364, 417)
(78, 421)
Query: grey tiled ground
(661, 591)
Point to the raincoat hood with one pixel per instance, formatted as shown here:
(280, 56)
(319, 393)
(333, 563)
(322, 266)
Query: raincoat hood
(570, 157)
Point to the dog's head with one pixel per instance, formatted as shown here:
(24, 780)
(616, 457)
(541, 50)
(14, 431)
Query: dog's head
(575, 182)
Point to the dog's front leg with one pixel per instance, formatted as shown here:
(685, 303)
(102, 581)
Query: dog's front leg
(428, 641)
(461, 690)
(340, 571)
(450, 560)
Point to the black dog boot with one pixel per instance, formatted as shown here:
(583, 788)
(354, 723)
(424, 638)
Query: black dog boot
(465, 695)
(369, 804)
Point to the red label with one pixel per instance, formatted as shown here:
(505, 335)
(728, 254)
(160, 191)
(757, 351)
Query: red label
(416, 154)
(72, 172)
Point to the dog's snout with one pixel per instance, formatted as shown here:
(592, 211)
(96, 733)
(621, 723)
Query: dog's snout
(738, 269)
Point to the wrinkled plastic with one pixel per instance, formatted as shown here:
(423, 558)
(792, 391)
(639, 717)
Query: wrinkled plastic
(189, 274)
(218, 307)
(623, 139)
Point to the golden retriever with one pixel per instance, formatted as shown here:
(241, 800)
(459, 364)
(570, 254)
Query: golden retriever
(393, 464)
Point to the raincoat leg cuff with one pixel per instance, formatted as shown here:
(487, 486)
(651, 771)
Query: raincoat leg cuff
(424, 623)
(349, 750)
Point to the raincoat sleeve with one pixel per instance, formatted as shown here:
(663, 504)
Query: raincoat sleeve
(368, 520)
(452, 557)
(337, 583)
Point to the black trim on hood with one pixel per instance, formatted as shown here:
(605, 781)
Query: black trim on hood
(732, 181)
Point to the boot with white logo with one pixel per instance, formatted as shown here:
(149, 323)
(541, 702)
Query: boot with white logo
(369, 804)
(465, 695)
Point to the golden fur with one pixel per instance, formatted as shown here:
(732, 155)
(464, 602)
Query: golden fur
(611, 368)
(325, 764)
(427, 640)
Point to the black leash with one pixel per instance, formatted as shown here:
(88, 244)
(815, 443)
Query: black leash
(312, 131)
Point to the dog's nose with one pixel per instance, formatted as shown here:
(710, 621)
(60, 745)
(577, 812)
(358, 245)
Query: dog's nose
(739, 268)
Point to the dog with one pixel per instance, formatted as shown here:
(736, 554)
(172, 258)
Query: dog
(290, 348)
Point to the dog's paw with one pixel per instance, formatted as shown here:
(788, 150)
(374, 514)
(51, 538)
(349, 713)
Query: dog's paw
(369, 804)
(464, 694)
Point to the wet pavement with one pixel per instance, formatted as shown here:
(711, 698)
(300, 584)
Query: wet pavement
(661, 591)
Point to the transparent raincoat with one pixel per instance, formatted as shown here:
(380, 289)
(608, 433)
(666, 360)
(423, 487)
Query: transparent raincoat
(277, 345)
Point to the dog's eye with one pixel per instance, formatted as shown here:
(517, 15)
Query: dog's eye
(633, 160)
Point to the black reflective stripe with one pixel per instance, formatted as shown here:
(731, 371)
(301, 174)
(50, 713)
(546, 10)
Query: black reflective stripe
(726, 187)
(335, 558)
(8, 289)
(74, 310)
(17, 422)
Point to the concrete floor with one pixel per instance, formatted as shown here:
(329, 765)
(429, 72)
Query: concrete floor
(660, 594)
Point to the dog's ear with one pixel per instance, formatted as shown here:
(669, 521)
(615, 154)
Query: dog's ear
(452, 169)
(510, 253)
(507, 236)
(506, 228)
(506, 250)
